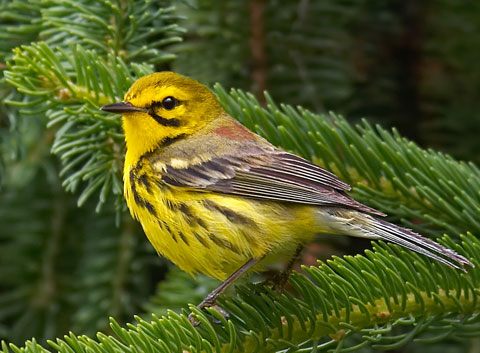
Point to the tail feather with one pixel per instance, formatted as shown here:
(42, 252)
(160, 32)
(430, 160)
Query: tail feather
(363, 225)
(415, 242)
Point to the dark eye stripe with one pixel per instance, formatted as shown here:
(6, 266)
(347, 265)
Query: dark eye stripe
(163, 121)
(158, 118)
(155, 104)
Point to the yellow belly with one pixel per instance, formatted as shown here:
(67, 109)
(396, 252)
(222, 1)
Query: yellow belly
(215, 234)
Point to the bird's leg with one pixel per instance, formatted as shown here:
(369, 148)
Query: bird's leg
(280, 278)
(210, 299)
(288, 269)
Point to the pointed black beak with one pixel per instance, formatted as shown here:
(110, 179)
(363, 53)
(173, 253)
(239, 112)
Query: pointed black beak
(122, 107)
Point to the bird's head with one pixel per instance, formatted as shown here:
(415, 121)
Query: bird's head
(161, 106)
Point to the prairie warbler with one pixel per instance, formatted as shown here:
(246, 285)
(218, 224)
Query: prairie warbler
(215, 198)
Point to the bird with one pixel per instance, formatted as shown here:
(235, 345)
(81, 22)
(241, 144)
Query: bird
(216, 198)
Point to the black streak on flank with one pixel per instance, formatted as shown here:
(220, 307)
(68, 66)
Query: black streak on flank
(201, 223)
(171, 205)
(144, 180)
(185, 240)
(222, 242)
(186, 213)
(201, 240)
(138, 199)
(150, 208)
(189, 217)
(165, 122)
(232, 216)
(162, 224)
(136, 196)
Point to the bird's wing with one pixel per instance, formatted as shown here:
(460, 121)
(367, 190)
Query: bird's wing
(266, 174)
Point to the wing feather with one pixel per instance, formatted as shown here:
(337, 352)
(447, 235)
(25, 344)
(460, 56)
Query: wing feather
(266, 174)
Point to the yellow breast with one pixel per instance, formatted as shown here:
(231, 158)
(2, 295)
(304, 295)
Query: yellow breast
(211, 233)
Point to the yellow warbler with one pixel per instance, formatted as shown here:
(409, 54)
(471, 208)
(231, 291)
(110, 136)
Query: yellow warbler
(215, 198)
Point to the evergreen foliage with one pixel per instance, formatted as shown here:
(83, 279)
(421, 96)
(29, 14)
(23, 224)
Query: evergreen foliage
(64, 267)
(451, 78)
(72, 268)
(408, 64)
(392, 290)
(304, 61)
(177, 291)
(387, 171)
(69, 81)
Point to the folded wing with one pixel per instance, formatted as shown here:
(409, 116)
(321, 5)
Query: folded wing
(268, 175)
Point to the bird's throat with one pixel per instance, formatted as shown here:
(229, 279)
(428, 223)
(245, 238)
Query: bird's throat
(143, 135)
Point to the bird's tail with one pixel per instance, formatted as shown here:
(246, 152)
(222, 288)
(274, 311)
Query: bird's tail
(359, 224)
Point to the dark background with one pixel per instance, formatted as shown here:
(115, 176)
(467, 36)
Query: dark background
(413, 65)
(409, 64)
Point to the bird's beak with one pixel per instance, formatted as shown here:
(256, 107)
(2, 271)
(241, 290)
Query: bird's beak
(122, 107)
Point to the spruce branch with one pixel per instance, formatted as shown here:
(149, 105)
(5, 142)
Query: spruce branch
(112, 273)
(65, 268)
(387, 171)
(383, 299)
(61, 85)
(30, 261)
(92, 64)
(309, 61)
(20, 23)
(177, 290)
(68, 87)
(373, 297)
(136, 31)
(342, 302)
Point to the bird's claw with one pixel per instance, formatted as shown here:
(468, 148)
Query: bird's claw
(222, 312)
(195, 322)
(277, 281)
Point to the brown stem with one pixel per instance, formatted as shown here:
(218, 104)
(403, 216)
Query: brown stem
(408, 52)
(257, 46)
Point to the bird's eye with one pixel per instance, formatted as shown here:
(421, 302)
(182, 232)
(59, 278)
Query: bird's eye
(169, 103)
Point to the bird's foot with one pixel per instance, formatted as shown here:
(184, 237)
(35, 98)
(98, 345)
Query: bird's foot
(276, 280)
(211, 299)
(195, 322)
